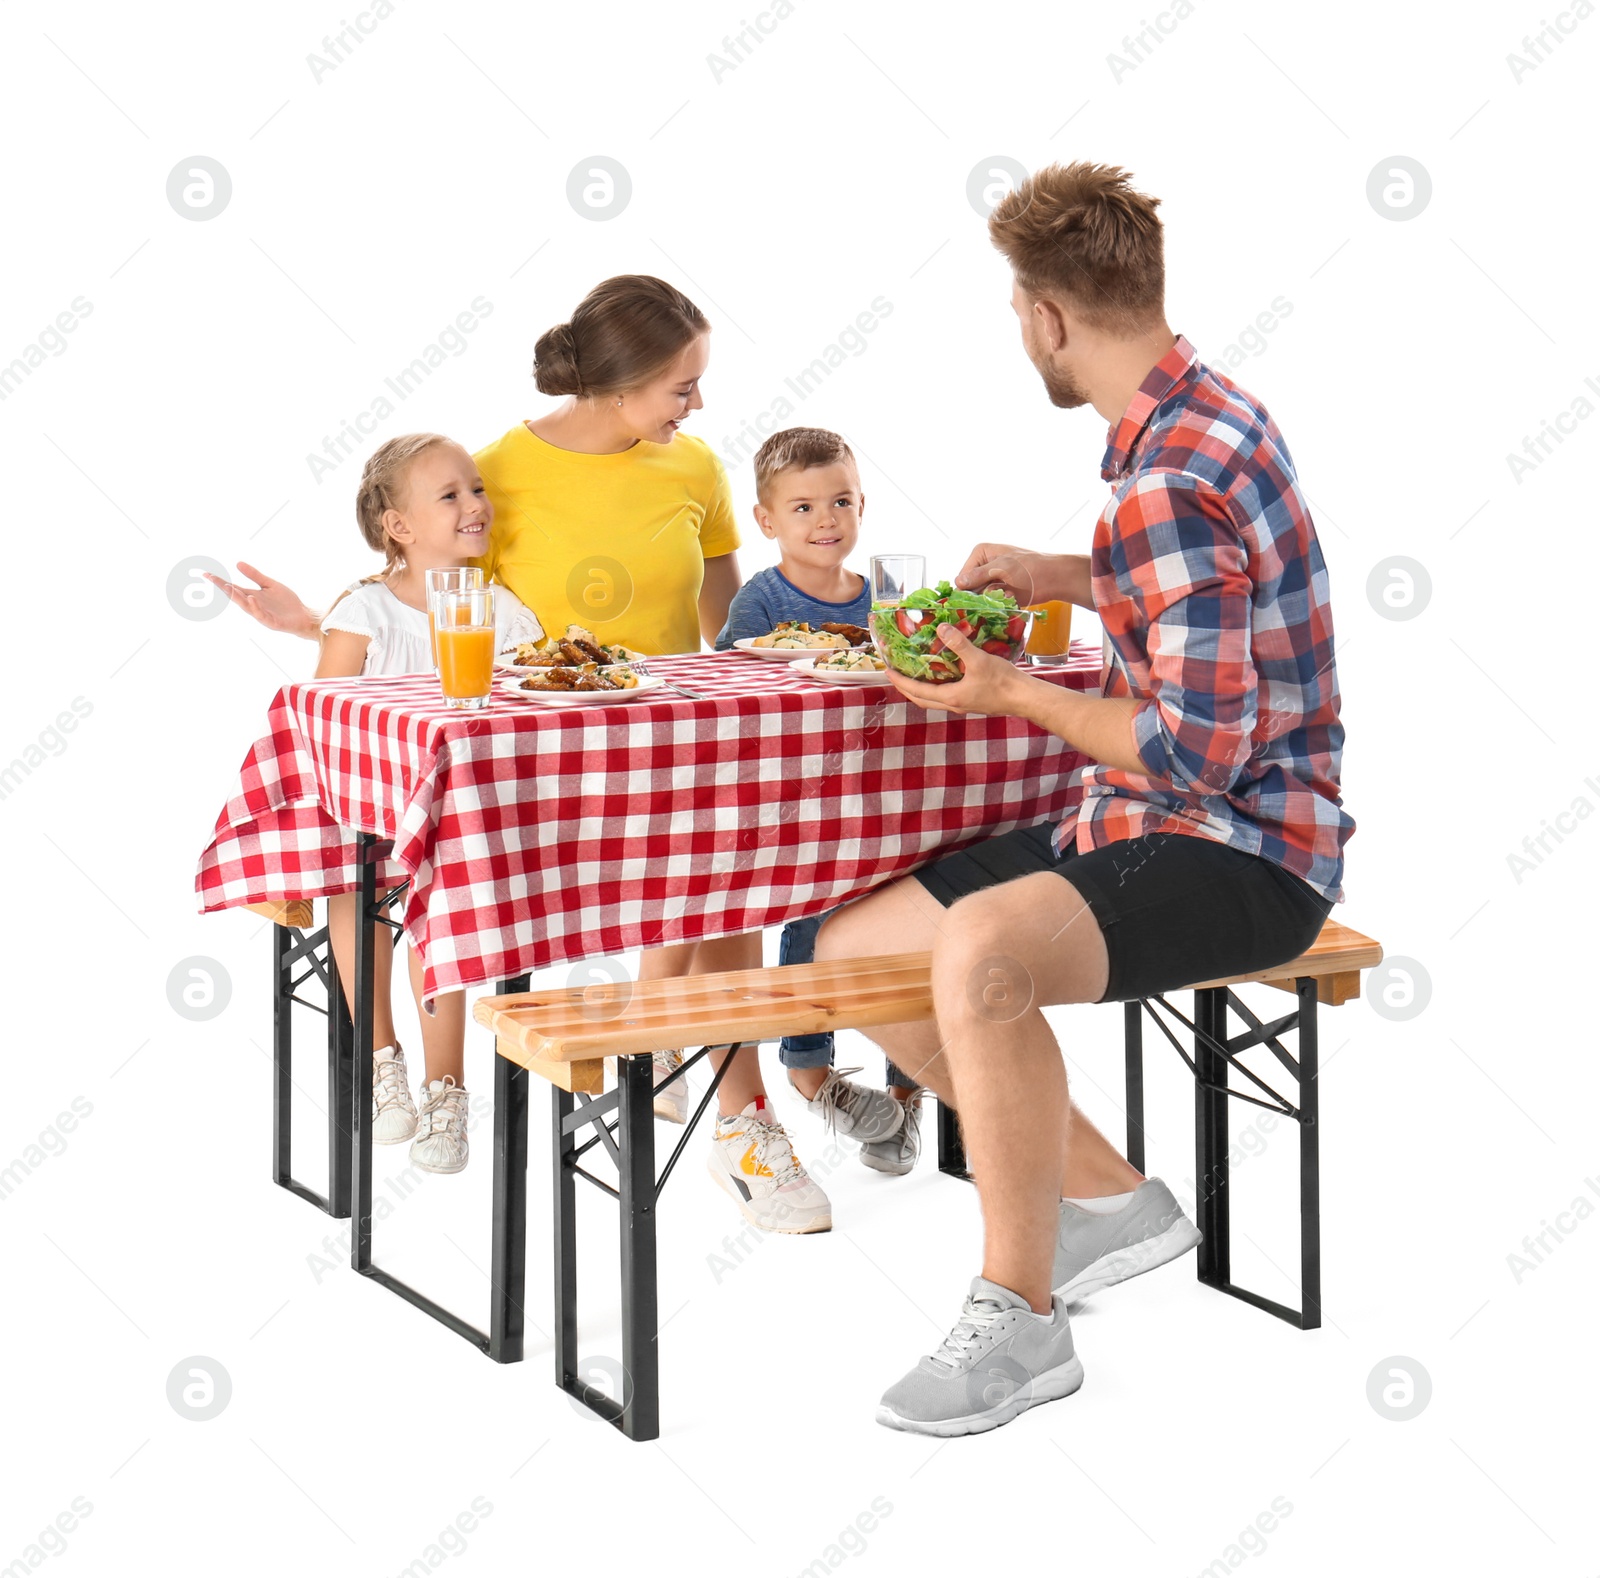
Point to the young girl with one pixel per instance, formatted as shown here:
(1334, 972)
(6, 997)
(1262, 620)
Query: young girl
(423, 506)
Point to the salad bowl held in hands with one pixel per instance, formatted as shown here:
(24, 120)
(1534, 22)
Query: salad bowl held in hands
(906, 633)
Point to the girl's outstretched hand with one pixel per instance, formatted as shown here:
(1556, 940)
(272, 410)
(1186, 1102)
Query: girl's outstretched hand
(271, 604)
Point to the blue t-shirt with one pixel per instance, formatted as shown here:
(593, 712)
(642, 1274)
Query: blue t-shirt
(769, 597)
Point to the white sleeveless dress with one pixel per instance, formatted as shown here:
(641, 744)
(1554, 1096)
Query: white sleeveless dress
(397, 635)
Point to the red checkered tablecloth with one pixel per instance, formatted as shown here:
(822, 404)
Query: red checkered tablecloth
(532, 834)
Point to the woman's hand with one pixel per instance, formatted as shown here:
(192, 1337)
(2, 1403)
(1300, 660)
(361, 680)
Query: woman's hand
(1030, 577)
(989, 683)
(271, 603)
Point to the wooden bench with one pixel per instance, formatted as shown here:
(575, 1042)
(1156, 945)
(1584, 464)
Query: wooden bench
(566, 1035)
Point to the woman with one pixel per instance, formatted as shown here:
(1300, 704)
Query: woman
(605, 515)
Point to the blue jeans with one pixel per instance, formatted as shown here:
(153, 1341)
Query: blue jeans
(798, 945)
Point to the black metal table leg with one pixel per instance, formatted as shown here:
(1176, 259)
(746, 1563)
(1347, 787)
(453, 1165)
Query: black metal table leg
(641, 1400)
(1310, 1176)
(341, 1083)
(1211, 1135)
(360, 1103)
(509, 1248)
(1133, 1068)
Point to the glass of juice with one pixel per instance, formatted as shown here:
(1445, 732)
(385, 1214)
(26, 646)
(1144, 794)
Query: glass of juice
(464, 632)
(1050, 638)
(892, 575)
(456, 578)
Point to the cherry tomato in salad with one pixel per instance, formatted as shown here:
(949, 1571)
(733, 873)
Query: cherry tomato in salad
(999, 648)
(908, 622)
(1015, 626)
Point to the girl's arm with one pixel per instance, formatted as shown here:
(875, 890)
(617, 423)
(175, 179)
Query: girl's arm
(271, 603)
(343, 653)
(716, 593)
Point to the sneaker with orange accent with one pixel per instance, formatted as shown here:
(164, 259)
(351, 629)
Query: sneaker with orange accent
(752, 1160)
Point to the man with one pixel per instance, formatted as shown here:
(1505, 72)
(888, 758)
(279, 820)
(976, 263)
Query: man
(1209, 838)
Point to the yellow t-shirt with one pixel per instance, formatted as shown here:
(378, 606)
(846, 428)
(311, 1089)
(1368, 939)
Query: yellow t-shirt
(616, 543)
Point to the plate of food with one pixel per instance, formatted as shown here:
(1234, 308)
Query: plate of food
(906, 634)
(585, 684)
(793, 636)
(851, 666)
(572, 650)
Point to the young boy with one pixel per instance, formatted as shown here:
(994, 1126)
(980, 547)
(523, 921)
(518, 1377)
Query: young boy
(809, 501)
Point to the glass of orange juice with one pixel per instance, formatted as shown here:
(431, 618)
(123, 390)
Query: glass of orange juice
(464, 633)
(1050, 637)
(455, 578)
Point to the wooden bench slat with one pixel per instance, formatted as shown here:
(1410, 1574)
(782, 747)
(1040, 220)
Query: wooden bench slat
(576, 1024)
(285, 912)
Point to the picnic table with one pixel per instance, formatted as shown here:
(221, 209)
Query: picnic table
(526, 835)
(533, 835)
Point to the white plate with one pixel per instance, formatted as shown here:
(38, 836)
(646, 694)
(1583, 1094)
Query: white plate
(840, 676)
(780, 654)
(582, 698)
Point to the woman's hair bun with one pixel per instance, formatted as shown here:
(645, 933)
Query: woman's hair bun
(555, 362)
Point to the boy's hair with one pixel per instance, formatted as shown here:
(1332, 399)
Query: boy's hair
(383, 487)
(1081, 232)
(795, 449)
(624, 332)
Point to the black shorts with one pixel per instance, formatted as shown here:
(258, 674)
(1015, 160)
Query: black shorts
(1173, 908)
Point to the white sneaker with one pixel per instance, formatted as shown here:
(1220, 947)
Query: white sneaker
(394, 1113)
(752, 1160)
(855, 1112)
(899, 1154)
(671, 1101)
(441, 1142)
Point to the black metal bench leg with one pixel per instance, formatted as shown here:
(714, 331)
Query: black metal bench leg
(564, 1238)
(1133, 1065)
(641, 1400)
(1211, 1137)
(952, 1148)
(1310, 1176)
(509, 1246)
(282, 1053)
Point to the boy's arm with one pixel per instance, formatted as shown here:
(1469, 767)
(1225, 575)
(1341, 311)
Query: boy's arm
(747, 616)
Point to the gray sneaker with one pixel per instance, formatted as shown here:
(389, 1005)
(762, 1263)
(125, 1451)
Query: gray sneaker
(1096, 1251)
(899, 1154)
(856, 1112)
(999, 1359)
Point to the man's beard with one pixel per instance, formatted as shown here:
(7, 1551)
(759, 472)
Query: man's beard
(1065, 393)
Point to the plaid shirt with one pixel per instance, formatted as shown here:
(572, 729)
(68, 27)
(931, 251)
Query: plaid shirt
(1211, 587)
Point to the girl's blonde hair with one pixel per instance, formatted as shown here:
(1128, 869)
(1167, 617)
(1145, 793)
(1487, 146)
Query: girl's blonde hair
(383, 487)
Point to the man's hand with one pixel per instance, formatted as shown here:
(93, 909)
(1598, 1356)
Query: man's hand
(1029, 577)
(271, 603)
(989, 683)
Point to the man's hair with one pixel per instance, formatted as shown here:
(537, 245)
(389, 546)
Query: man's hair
(795, 449)
(1080, 232)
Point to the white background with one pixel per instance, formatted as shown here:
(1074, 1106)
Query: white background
(371, 206)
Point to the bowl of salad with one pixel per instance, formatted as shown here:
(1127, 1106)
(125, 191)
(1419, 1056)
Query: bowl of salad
(906, 633)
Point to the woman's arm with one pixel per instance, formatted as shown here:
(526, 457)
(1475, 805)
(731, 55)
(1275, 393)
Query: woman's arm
(272, 604)
(716, 593)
